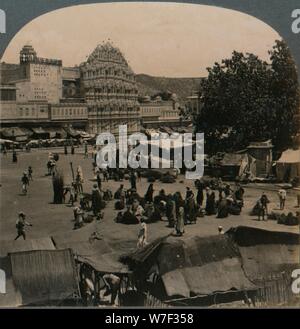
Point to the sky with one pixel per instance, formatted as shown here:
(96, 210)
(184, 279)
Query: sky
(159, 39)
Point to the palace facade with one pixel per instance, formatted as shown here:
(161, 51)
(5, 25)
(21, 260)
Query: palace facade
(110, 91)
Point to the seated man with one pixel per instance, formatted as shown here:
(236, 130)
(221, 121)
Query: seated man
(119, 192)
(137, 210)
(151, 213)
(78, 215)
(234, 206)
(132, 195)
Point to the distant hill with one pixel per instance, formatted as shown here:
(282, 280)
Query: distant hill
(182, 87)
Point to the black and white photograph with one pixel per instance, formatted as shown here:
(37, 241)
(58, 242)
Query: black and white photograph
(149, 157)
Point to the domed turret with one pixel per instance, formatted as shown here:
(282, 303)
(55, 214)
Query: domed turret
(107, 52)
(27, 54)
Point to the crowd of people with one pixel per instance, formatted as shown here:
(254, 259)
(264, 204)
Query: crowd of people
(207, 198)
(211, 197)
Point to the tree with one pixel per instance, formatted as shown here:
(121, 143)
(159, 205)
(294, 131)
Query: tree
(246, 99)
(285, 91)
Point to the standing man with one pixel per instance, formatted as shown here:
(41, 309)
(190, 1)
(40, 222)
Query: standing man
(133, 180)
(86, 151)
(190, 209)
(171, 210)
(99, 182)
(14, 156)
(264, 201)
(282, 198)
(261, 210)
(25, 182)
(149, 194)
(79, 179)
(30, 171)
(200, 194)
(105, 175)
(298, 198)
(96, 200)
(142, 236)
(179, 226)
(20, 225)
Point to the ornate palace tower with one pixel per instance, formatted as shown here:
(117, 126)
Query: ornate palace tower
(110, 91)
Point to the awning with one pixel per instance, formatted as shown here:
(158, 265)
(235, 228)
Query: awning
(84, 134)
(72, 132)
(21, 138)
(7, 141)
(15, 132)
(290, 156)
(166, 130)
(53, 132)
(39, 131)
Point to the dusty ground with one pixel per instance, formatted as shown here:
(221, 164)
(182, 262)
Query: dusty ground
(49, 219)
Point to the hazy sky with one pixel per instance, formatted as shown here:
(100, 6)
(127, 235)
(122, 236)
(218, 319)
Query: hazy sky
(161, 39)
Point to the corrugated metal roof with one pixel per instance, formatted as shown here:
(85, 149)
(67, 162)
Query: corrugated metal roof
(9, 246)
(42, 276)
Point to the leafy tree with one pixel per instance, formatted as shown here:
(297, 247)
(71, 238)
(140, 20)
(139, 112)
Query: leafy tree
(246, 99)
(286, 93)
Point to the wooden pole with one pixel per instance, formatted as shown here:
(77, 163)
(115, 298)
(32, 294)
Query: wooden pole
(72, 170)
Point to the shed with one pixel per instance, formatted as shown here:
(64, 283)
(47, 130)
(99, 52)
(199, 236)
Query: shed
(187, 268)
(288, 165)
(45, 277)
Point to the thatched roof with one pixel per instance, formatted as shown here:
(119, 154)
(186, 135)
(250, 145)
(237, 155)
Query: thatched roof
(246, 236)
(264, 252)
(236, 261)
(94, 252)
(221, 276)
(193, 266)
